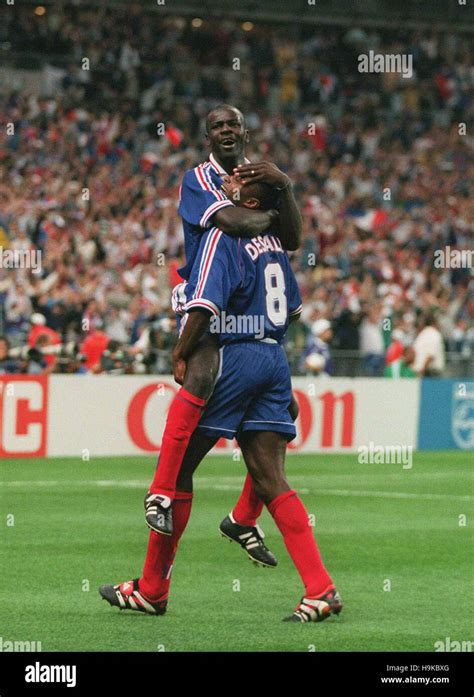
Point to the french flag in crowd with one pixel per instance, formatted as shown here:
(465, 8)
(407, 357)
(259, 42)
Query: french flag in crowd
(371, 219)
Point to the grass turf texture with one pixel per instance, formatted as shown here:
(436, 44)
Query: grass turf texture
(80, 524)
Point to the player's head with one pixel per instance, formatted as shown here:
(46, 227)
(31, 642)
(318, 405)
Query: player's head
(251, 194)
(257, 195)
(226, 132)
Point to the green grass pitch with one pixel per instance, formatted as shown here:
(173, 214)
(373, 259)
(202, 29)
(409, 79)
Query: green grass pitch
(393, 539)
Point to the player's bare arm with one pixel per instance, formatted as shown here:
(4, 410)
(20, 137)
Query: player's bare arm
(196, 324)
(289, 222)
(242, 222)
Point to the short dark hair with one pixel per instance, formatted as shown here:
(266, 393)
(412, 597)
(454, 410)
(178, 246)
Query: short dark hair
(224, 106)
(113, 345)
(266, 194)
(430, 318)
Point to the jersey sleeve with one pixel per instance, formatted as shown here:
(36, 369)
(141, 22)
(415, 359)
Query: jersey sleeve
(294, 298)
(216, 274)
(200, 198)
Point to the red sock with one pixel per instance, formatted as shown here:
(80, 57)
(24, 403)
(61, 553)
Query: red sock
(249, 506)
(156, 579)
(183, 417)
(291, 518)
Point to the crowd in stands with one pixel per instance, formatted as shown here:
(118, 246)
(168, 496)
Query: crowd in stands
(382, 167)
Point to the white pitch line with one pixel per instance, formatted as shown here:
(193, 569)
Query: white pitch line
(393, 495)
(207, 485)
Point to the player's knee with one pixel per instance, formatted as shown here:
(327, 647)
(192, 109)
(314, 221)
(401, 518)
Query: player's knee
(262, 491)
(268, 487)
(260, 485)
(200, 381)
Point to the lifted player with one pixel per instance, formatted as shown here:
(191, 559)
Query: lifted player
(249, 280)
(203, 204)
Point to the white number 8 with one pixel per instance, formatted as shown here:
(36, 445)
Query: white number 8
(277, 306)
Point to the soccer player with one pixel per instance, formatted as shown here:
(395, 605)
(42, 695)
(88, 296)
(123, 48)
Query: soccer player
(202, 205)
(248, 288)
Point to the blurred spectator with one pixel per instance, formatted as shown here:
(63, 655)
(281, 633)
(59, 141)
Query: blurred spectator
(462, 339)
(316, 359)
(381, 170)
(371, 342)
(49, 337)
(39, 362)
(7, 364)
(429, 350)
(92, 349)
(114, 360)
(153, 347)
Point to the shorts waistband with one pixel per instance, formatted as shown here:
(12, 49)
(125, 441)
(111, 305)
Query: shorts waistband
(250, 340)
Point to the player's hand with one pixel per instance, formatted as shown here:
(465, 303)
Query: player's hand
(179, 368)
(265, 172)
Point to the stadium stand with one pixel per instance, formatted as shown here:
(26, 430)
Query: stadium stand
(381, 165)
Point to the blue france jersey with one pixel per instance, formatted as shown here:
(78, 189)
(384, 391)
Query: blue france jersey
(247, 285)
(200, 198)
